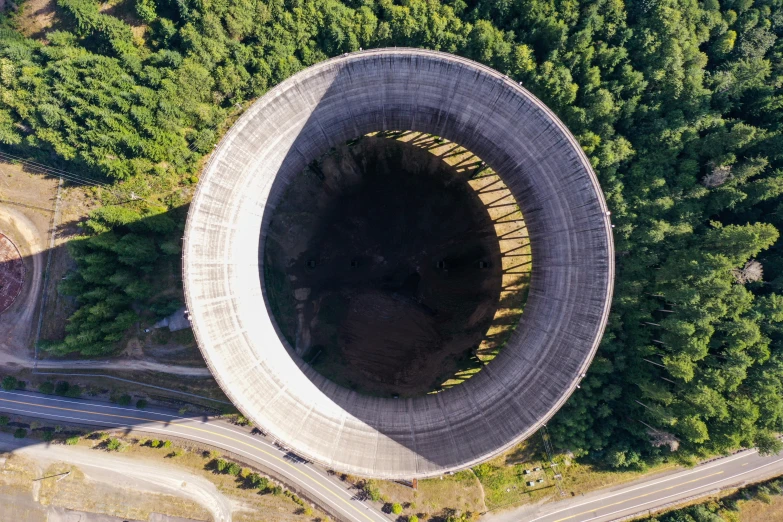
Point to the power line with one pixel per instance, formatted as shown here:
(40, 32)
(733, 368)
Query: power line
(552, 464)
(58, 172)
(55, 173)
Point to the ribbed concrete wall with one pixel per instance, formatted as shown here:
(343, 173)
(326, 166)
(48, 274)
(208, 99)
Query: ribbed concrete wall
(571, 281)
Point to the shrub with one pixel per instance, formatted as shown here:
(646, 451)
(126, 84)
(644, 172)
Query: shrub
(220, 465)
(47, 435)
(167, 444)
(114, 445)
(46, 387)
(21, 385)
(241, 420)
(176, 453)
(141, 404)
(277, 490)
(372, 491)
(244, 473)
(62, 388)
(4, 420)
(214, 454)
(413, 518)
(20, 433)
(396, 508)
(124, 400)
(233, 469)
(74, 391)
(9, 383)
(256, 481)
(72, 441)
(154, 443)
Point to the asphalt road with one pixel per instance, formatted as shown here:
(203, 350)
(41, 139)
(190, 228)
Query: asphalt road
(328, 490)
(652, 492)
(600, 506)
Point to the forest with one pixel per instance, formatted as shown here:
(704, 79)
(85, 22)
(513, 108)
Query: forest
(678, 104)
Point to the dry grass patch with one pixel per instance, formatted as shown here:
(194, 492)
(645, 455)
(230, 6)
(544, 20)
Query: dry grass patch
(461, 492)
(756, 510)
(506, 483)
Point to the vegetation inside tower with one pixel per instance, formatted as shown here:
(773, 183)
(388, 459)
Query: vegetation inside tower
(678, 103)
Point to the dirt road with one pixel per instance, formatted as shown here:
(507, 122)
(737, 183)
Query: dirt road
(134, 473)
(17, 325)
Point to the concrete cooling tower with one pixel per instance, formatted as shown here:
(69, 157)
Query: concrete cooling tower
(570, 287)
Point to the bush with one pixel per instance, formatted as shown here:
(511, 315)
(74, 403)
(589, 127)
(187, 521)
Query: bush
(220, 465)
(396, 508)
(4, 420)
(241, 420)
(413, 518)
(74, 391)
(72, 441)
(46, 387)
(20, 433)
(154, 443)
(124, 400)
(234, 469)
(62, 388)
(167, 444)
(372, 491)
(114, 445)
(47, 435)
(141, 404)
(256, 481)
(277, 490)
(9, 383)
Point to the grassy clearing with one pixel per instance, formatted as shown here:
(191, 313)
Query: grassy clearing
(505, 481)
(460, 492)
(755, 510)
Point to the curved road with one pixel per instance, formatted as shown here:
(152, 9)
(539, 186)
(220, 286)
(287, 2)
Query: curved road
(328, 490)
(651, 493)
(615, 503)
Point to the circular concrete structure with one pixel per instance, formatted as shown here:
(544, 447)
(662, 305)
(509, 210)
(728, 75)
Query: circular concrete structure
(521, 140)
(12, 273)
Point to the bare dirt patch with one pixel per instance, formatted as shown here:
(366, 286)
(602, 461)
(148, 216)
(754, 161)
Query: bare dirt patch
(26, 202)
(383, 267)
(11, 273)
(36, 18)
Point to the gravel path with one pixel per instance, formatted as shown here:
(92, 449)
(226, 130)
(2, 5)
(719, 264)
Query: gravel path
(135, 473)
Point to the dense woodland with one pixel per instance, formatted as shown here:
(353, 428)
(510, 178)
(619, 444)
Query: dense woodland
(678, 103)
